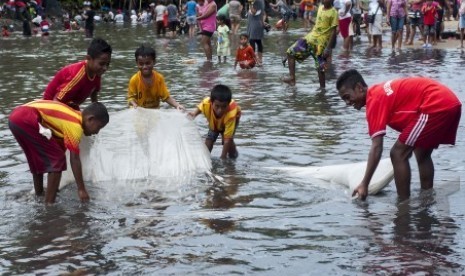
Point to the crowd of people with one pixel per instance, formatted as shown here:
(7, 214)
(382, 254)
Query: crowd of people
(171, 18)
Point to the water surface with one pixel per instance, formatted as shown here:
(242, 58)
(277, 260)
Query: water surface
(251, 220)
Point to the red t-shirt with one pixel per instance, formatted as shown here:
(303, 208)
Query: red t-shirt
(71, 85)
(245, 54)
(429, 16)
(396, 102)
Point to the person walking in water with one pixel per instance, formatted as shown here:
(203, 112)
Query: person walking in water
(207, 19)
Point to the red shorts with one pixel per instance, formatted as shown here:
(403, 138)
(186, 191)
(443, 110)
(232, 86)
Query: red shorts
(431, 130)
(43, 155)
(344, 26)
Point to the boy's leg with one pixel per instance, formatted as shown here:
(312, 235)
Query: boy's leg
(425, 167)
(400, 155)
(38, 179)
(291, 64)
(211, 139)
(233, 150)
(209, 143)
(321, 78)
(53, 182)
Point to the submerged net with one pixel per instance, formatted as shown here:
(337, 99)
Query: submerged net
(144, 147)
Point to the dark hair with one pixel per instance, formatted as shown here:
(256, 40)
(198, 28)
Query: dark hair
(98, 47)
(349, 79)
(99, 111)
(244, 35)
(221, 17)
(221, 93)
(145, 51)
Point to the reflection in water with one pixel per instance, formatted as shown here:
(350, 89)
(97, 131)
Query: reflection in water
(420, 239)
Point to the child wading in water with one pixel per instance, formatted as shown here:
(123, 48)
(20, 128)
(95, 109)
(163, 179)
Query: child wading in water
(223, 49)
(245, 55)
(147, 87)
(222, 114)
(318, 43)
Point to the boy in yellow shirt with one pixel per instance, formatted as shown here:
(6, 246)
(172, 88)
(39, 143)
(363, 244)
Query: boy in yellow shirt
(223, 115)
(147, 87)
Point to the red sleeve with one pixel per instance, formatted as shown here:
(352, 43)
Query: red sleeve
(377, 112)
(53, 86)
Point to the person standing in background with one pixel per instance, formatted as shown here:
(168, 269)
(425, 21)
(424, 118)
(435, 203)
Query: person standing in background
(207, 21)
(88, 16)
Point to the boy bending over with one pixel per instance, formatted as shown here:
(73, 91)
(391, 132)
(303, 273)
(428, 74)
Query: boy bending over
(425, 112)
(223, 115)
(318, 43)
(44, 130)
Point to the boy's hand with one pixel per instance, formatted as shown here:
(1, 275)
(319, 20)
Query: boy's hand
(181, 108)
(83, 195)
(361, 191)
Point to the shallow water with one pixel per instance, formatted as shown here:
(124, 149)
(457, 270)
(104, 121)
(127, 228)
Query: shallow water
(248, 220)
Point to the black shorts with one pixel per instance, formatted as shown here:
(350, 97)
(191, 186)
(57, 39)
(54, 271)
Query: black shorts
(206, 33)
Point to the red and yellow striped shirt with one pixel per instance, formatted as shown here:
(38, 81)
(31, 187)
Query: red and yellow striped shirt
(71, 85)
(64, 122)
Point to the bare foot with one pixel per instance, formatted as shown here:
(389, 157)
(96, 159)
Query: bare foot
(289, 81)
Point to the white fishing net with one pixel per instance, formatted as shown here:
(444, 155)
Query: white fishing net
(153, 147)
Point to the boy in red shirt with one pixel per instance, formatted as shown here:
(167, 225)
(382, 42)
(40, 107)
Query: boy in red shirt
(425, 112)
(73, 84)
(45, 130)
(429, 10)
(245, 55)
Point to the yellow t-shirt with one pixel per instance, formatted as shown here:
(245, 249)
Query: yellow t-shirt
(148, 96)
(326, 21)
(227, 123)
(64, 122)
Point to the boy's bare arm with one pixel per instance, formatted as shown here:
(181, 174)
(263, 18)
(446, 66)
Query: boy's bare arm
(76, 167)
(226, 148)
(171, 101)
(94, 96)
(193, 114)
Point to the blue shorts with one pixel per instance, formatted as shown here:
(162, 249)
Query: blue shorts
(191, 20)
(397, 23)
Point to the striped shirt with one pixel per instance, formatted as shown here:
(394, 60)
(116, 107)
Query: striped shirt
(71, 85)
(226, 123)
(64, 122)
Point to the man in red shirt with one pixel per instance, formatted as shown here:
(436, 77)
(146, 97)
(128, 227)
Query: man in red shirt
(425, 112)
(74, 83)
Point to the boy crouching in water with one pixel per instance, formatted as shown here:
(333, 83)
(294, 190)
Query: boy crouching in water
(44, 130)
(223, 114)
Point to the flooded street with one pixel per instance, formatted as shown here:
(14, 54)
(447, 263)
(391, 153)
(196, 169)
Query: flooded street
(249, 220)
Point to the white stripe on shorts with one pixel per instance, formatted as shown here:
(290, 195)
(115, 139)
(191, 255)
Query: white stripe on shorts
(417, 129)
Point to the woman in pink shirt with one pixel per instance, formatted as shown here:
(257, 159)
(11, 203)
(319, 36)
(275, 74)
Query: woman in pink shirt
(396, 12)
(207, 21)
